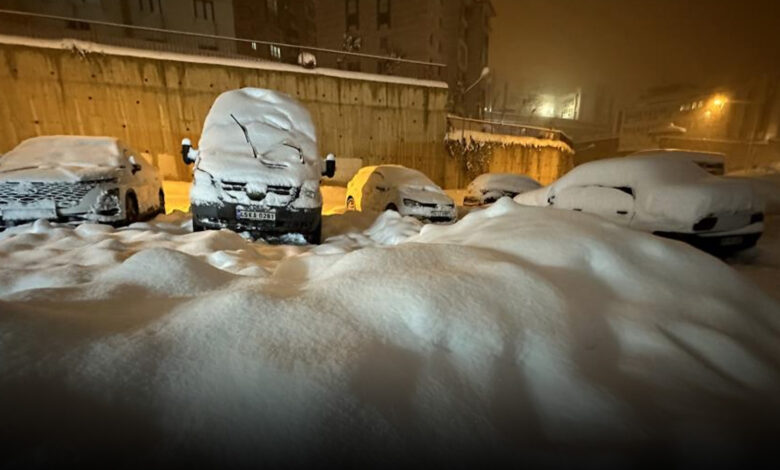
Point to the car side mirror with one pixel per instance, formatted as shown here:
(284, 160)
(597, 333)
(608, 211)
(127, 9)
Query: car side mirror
(330, 166)
(188, 154)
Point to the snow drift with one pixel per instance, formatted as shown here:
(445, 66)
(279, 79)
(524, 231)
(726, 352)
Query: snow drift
(521, 333)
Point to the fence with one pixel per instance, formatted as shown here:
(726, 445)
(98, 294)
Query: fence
(38, 25)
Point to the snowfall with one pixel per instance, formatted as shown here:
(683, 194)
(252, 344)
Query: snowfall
(523, 334)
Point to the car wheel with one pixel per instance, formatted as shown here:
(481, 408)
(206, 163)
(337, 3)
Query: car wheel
(161, 210)
(391, 207)
(131, 208)
(351, 204)
(315, 236)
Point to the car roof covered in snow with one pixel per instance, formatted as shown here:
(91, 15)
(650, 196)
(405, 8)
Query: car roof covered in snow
(511, 182)
(711, 158)
(63, 150)
(398, 175)
(635, 172)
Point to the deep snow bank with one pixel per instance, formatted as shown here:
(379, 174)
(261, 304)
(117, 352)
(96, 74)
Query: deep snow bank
(525, 333)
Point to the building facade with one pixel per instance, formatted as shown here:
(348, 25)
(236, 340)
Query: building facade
(212, 17)
(283, 21)
(452, 32)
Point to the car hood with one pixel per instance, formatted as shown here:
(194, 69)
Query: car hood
(56, 174)
(425, 196)
(689, 203)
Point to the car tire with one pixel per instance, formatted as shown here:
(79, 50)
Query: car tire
(131, 209)
(161, 209)
(391, 207)
(351, 204)
(315, 236)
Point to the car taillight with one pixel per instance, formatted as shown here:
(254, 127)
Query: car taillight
(757, 217)
(707, 223)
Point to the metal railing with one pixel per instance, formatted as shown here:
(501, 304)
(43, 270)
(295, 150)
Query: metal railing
(458, 123)
(38, 25)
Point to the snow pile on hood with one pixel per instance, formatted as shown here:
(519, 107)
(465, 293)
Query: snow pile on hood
(62, 150)
(508, 182)
(279, 147)
(532, 335)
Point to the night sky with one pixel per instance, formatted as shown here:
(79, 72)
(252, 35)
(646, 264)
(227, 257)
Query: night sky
(629, 45)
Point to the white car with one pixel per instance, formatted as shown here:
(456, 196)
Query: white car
(74, 179)
(490, 187)
(258, 168)
(670, 197)
(397, 188)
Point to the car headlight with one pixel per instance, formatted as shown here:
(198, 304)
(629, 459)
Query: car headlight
(108, 202)
(411, 203)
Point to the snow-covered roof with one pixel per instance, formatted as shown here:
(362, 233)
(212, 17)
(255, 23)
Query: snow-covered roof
(87, 47)
(478, 137)
(398, 175)
(510, 182)
(63, 150)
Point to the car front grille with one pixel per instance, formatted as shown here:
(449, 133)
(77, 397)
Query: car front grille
(64, 195)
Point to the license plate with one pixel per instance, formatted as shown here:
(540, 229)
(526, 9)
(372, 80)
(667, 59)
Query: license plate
(440, 214)
(730, 241)
(255, 215)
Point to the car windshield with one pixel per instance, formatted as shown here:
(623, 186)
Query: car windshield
(52, 152)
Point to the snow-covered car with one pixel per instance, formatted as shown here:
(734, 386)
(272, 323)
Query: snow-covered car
(490, 187)
(401, 189)
(74, 179)
(257, 169)
(670, 197)
(712, 162)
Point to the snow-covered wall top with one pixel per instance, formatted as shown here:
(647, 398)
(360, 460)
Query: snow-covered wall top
(473, 138)
(86, 47)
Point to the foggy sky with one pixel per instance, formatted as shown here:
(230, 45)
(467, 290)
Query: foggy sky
(629, 45)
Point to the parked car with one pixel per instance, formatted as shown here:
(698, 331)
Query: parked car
(258, 169)
(670, 197)
(397, 188)
(711, 162)
(490, 187)
(74, 179)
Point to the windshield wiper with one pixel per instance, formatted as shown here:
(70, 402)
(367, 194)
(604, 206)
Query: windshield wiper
(246, 135)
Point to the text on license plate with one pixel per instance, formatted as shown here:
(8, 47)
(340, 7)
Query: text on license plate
(255, 215)
(729, 241)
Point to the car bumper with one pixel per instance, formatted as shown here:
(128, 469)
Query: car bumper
(286, 220)
(720, 242)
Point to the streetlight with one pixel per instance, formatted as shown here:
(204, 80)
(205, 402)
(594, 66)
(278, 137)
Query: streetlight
(485, 72)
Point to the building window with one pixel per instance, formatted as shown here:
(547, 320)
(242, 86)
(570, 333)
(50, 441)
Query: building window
(204, 9)
(353, 14)
(149, 5)
(272, 7)
(382, 13)
(276, 52)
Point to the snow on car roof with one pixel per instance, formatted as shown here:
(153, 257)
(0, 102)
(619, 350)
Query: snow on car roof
(503, 182)
(635, 172)
(63, 150)
(696, 156)
(279, 128)
(397, 175)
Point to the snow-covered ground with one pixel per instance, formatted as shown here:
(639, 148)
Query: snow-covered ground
(525, 333)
